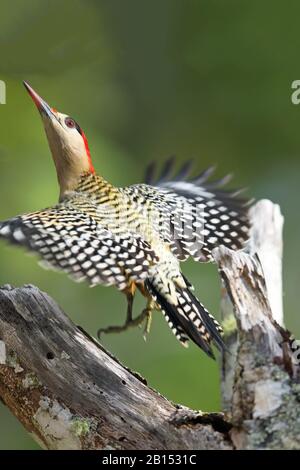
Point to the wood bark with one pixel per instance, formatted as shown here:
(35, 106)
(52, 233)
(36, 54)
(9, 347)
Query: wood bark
(70, 393)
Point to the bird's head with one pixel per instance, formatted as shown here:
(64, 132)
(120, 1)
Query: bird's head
(68, 144)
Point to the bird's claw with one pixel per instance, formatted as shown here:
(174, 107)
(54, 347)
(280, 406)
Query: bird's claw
(146, 314)
(148, 323)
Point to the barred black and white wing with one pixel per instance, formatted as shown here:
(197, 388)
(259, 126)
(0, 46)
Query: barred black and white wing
(197, 215)
(70, 240)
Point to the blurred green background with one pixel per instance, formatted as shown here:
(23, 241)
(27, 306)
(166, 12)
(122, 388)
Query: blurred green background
(145, 79)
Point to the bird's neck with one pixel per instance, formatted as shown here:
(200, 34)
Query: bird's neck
(95, 185)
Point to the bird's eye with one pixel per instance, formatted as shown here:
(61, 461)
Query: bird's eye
(70, 122)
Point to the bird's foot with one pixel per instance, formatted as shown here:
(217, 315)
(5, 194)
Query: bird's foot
(147, 328)
(130, 323)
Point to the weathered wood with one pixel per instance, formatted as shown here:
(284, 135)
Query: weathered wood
(266, 242)
(261, 376)
(70, 393)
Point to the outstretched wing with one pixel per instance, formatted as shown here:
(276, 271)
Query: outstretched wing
(197, 215)
(72, 241)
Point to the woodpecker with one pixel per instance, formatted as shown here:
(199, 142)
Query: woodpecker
(133, 237)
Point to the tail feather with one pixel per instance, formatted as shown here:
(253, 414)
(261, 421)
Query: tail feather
(206, 323)
(176, 329)
(189, 319)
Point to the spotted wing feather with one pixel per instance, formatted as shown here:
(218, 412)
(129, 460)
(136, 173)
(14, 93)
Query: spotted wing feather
(197, 215)
(95, 255)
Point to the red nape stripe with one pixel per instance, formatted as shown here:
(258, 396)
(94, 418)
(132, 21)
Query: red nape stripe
(92, 169)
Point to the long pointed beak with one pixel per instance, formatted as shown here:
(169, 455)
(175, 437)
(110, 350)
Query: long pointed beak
(41, 105)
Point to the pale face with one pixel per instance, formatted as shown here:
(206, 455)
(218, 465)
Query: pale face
(67, 142)
(69, 149)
